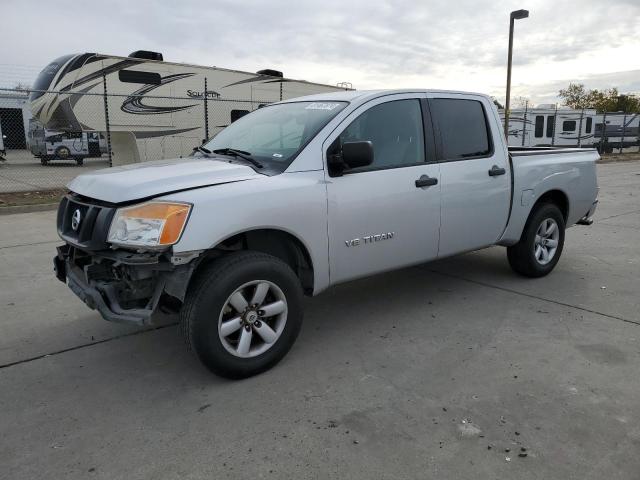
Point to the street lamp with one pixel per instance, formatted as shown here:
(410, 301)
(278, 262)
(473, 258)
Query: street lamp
(515, 15)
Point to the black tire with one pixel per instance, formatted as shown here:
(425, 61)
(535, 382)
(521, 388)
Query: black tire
(63, 153)
(522, 256)
(207, 296)
(79, 161)
(44, 161)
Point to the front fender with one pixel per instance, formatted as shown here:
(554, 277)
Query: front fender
(291, 202)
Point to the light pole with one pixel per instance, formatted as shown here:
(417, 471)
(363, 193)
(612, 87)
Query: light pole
(515, 15)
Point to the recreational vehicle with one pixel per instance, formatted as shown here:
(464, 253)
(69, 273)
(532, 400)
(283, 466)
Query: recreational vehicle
(548, 125)
(156, 109)
(48, 145)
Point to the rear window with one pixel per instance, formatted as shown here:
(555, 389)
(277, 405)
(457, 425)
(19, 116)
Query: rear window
(461, 128)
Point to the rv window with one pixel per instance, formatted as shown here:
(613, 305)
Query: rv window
(589, 122)
(551, 121)
(539, 126)
(569, 126)
(137, 76)
(237, 114)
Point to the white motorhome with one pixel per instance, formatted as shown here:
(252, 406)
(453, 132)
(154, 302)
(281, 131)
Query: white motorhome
(547, 125)
(156, 109)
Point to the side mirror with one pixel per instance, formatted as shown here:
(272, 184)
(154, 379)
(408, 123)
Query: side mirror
(351, 155)
(357, 154)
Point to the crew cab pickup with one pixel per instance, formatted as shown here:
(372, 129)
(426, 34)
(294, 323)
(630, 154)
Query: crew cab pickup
(304, 194)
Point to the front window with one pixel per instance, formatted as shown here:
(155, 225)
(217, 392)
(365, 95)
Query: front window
(45, 77)
(275, 134)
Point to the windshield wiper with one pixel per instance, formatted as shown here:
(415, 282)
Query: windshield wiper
(202, 149)
(239, 153)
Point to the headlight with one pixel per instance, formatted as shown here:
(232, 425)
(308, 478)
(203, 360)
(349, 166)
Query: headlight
(151, 224)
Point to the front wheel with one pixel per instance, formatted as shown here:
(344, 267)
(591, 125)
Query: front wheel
(242, 313)
(540, 246)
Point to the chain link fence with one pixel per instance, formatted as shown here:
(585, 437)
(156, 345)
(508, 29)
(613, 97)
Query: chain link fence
(89, 131)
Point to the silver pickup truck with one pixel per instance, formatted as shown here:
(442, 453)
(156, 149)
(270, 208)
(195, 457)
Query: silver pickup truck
(304, 194)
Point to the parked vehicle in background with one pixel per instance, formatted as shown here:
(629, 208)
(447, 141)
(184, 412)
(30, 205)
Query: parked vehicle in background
(547, 125)
(304, 194)
(48, 145)
(158, 108)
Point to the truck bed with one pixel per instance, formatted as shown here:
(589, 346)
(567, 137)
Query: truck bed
(536, 170)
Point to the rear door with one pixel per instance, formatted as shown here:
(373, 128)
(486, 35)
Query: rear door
(379, 217)
(474, 173)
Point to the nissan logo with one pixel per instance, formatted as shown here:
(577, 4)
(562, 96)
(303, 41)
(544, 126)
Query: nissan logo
(75, 219)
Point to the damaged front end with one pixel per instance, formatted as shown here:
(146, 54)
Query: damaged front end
(125, 286)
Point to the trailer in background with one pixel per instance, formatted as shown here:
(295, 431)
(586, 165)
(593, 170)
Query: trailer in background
(155, 109)
(548, 125)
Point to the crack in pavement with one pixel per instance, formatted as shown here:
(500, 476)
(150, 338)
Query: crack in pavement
(536, 297)
(30, 244)
(84, 345)
(618, 215)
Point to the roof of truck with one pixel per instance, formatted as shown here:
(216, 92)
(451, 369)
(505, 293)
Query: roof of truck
(363, 95)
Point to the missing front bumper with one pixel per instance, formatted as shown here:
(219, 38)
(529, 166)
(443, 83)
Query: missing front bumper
(106, 295)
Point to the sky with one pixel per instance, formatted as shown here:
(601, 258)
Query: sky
(445, 44)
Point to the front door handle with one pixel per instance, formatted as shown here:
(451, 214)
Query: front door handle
(495, 171)
(426, 181)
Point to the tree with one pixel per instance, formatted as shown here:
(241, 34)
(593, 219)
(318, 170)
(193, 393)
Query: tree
(610, 100)
(574, 96)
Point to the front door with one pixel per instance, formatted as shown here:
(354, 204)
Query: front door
(474, 173)
(379, 217)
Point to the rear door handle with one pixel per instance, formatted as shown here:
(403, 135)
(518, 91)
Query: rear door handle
(495, 171)
(426, 181)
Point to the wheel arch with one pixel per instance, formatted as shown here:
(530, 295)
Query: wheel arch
(556, 197)
(277, 242)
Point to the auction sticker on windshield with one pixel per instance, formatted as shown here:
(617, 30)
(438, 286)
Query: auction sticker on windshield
(322, 106)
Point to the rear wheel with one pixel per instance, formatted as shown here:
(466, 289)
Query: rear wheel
(63, 153)
(540, 246)
(243, 313)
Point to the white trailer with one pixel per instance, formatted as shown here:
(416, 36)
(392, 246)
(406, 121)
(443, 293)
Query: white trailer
(156, 109)
(547, 125)
(49, 145)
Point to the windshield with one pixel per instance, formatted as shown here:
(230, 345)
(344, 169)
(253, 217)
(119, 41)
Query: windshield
(275, 134)
(46, 75)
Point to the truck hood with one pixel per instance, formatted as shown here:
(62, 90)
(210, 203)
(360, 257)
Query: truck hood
(151, 179)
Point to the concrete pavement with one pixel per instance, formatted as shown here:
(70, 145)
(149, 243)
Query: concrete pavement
(428, 372)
